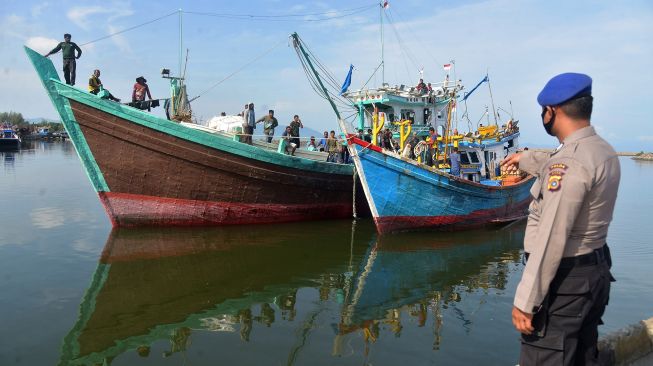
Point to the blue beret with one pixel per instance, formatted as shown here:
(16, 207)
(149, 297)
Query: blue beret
(564, 87)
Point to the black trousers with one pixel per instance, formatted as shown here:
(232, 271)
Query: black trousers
(69, 70)
(566, 327)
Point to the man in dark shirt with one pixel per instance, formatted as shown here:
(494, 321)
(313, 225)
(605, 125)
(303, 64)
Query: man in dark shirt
(269, 123)
(68, 49)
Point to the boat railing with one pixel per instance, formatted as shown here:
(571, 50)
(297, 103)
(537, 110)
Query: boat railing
(260, 141)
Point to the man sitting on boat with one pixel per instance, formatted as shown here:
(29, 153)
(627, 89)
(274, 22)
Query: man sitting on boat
(138, 95)
(421, 87)
(288, 137)
(95, 87)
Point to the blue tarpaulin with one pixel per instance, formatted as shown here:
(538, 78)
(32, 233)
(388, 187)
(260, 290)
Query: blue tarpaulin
(477, 85)
(347, 82)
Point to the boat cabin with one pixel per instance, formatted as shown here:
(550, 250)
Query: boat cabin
(398, 103)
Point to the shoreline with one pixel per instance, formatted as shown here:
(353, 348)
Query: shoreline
(631, 345)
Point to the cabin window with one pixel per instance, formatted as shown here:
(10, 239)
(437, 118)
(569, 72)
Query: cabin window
(408, 114)
(511, 143)
(463, 158)
(473, 157)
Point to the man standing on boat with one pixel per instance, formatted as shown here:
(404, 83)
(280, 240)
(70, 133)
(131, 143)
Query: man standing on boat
(269, 123)
(68, 49)
(249, 123)
(566, 282)
(295, 124)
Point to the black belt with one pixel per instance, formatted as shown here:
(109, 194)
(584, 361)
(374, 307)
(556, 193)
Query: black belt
(598, 256)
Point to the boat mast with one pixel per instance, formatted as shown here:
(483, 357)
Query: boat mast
(494, 111)
(180, 41)
(298, 44)
(381, 8)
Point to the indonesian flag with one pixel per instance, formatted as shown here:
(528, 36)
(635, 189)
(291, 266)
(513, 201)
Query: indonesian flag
(386, 4)
(447, 67)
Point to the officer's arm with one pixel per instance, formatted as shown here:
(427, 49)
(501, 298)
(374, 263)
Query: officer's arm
(531, 161)
(565, 185)
(79, 50)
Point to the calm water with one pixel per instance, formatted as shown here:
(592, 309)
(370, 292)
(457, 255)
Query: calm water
(74, 292)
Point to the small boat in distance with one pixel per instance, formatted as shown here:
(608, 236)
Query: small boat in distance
(149, 170)
(9, 140)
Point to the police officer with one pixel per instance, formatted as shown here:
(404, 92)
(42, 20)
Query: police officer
(566, 282)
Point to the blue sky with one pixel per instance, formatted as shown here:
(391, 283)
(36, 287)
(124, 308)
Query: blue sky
(521, 43)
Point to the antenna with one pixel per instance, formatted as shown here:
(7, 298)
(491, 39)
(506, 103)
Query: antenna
(494, 111)
(181, 48)
(381, 8)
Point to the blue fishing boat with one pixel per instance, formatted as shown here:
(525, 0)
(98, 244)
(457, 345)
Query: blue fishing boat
(404, 194)
(405, 164)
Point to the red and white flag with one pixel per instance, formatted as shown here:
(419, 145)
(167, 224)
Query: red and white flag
(447, 67)
(386, 4)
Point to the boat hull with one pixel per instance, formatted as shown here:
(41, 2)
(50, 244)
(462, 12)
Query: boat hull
(9, 144)
(404, 195)
(151, 171)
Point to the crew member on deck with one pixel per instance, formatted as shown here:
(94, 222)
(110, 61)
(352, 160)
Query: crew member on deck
(95, 86)
(566, 282)
(68, 49)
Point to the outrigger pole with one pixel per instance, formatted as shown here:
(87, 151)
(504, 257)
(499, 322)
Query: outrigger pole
(297, 43)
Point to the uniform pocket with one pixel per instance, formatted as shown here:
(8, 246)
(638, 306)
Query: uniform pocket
(570, 297)
(547, 350)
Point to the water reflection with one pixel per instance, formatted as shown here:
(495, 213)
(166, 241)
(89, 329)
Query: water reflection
(415, 274)
(166, 285)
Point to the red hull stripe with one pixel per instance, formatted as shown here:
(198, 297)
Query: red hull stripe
(479, 218)
(129, 210)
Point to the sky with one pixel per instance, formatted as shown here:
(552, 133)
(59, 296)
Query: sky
(521, 44)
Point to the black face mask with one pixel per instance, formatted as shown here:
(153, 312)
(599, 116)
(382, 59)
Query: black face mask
(549, 126)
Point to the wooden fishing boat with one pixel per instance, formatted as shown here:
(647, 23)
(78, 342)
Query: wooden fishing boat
(417, 190)
(152, 171)
(406, 195)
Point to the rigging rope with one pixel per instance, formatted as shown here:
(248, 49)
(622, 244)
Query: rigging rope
(415, 36)
(238, 70)
(130, 28)
(290, 17)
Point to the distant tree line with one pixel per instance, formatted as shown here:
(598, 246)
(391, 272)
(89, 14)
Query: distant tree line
(17, 120)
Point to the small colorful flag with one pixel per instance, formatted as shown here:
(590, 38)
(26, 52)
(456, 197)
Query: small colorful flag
(386, 4)
(447, 67)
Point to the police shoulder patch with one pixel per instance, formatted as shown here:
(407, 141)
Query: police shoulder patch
(558, 166)
(555, 181)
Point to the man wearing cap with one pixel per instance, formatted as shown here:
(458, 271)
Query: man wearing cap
(68, 49)
(566, 281)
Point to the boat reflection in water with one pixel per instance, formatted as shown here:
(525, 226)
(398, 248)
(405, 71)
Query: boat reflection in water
(168, 285)
(416, 274)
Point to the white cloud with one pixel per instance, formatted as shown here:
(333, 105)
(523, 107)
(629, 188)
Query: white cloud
(41, 44)
(38, 9)
(81, 15)
(645, 138)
